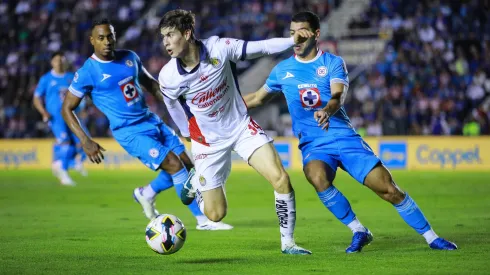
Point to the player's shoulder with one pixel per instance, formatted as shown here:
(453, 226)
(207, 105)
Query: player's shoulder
(332, 59)
(285, 64)
(46, 76)
(126, 54)
(83, 74)
(211, 41)
(169, 72)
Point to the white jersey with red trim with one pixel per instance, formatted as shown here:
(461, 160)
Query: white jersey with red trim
(209, 93)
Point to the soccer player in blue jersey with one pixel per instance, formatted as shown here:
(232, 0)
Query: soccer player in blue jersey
(315, 84)
(48, 98)
(113, 79)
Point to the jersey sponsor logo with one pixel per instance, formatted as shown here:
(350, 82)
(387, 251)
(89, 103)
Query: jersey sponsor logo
(105, 76)
(210, 97)
(282, 213)
(310, 98)
(202, 180)
(130, 93)
(204, 78)
(322, 71)
(129, 63)
(53, 83)
(288, 75)
(127, 79)
(200, 156)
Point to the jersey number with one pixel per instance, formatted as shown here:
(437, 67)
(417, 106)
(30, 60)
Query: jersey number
(254, 127)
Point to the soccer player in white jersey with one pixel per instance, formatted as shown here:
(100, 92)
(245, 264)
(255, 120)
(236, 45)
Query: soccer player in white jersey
(201, 77)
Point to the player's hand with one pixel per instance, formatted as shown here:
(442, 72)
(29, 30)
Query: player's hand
(323, 119)
(93, 151)
(46, 118)
(302, 35)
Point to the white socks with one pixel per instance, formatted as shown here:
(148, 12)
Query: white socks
(286, 213)
(356, 226)
(148, 192)
(430, 236)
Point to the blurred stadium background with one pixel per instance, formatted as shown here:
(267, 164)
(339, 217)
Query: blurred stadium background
(419, 93)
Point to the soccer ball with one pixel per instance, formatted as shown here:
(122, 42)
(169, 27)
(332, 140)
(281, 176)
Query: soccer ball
(165, 234)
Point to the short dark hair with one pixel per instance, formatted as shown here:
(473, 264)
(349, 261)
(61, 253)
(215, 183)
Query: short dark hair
(56, 53)
(98, 22)
(307, 16)
(182, 20)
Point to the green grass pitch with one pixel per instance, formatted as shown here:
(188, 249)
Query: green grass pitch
(97, 228)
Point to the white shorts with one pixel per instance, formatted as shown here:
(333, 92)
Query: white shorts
(213, 163)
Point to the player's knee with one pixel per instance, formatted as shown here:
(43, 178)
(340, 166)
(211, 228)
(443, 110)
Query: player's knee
(393, 194)
(172, 164)
(216, 215)
(318, 180)
(282, 183)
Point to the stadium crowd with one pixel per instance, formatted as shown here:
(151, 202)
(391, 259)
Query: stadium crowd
(434, 73)
(431, 79)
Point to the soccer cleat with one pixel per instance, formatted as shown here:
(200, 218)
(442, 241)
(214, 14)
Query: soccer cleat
(65, 178)
(210, 225)
(295, 250)
(359, 240)
(148, 205)
(188, 193)
(442, 244)
(80, 169)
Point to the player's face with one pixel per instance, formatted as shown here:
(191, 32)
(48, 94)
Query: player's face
(305, 48)
(58, 63)
(103, 39)
(175, 42)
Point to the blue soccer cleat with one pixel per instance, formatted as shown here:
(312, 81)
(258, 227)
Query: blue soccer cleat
(295, 250)
(188, 193)
(441, 244)
(359, 240)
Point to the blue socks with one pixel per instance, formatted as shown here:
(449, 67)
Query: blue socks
(411, 214)
(335, 201)
(165, 181)
(66, 153)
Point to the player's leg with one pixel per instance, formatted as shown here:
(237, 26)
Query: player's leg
(381, 182)
(319, 172)
(255, 147)
(66, 150)
(213, 166)
(56, 164)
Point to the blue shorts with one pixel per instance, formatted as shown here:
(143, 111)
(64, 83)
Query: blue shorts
(349, 151)
(149, 141)
(61, 132)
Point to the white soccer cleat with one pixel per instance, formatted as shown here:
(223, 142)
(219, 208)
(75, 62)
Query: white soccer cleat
(210, 225)
(80, 169)
(148, 205)
(65, 178)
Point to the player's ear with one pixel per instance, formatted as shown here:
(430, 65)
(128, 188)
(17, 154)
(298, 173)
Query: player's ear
(91, 40)
(317, 34)
(188, 35)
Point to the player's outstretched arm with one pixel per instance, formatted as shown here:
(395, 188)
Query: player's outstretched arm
(258, 98)
(150, 84)
(255, 49)
(333, 105)
(91, 148)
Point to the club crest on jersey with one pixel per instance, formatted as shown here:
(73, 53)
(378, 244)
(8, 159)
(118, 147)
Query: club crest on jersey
(215, 62)
(310, 98)
(321, 71)
(153, 153)
(202, 180)
(129, 63)
(130, 93)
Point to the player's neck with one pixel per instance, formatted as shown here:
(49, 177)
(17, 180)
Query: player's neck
(105, 58)
(312, 54)
(191, 58)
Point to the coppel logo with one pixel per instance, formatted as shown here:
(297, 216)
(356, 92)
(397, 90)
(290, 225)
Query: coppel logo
(393, 154)
(448, 156)
(10, 158)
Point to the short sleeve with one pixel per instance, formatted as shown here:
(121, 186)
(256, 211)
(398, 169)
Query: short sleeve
(41, 87)
(234, 49)
(338, 71)
(81, 84)
(272, 84)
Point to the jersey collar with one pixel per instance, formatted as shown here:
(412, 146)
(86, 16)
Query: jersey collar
(100, 60)
(55, 74)
(203, 55)
(318, 54)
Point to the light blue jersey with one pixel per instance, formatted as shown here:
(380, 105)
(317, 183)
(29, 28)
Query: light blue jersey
(115, 90)
(306, 86)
